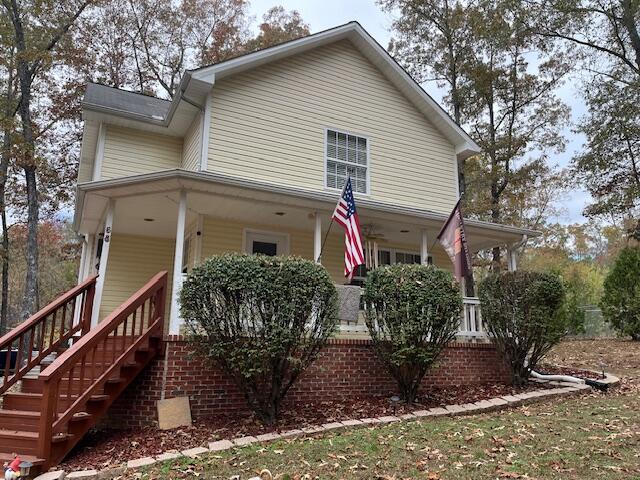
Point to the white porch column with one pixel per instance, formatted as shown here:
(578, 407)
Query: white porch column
(174, 319)
(317, 238)
(104, 256)
(199, 228)
(424, 247)
(83, 259)
(512, 260)
(90, 255)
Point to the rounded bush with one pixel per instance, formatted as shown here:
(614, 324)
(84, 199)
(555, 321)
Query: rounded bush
(261, 319)
(620, 302)
(412, 312)
(525, 316)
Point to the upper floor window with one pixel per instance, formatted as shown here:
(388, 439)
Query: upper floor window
(347, 156)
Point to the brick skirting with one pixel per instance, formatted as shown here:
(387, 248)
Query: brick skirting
(344, 369)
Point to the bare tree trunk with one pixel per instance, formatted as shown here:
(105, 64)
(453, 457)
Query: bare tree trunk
(27, 162)
(4, 167)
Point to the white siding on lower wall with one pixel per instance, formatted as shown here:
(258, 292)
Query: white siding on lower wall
(133, 260)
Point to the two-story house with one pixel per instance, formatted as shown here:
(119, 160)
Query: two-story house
(249, 156)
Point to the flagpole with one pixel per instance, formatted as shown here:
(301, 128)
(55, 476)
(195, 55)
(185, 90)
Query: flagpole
(324, 241)
(331, 224)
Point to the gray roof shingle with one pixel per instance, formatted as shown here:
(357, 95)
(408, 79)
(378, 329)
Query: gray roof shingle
(122, 100)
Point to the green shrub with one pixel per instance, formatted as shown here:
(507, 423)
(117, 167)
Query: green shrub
(412, 312)
(261, 319)
(620, 302)
(524, 313)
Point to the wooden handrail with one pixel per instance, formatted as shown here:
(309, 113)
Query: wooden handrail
(47, 310)
(98, 333)
(96, 357)
(28, 339)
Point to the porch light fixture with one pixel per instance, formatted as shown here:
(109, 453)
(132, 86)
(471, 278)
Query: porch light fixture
(280, 214)
(25, 468)
(149, 219)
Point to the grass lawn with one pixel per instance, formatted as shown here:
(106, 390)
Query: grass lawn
(592, 436)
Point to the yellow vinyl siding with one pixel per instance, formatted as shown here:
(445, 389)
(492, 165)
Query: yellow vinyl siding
(85, 169)
(132, 261)
(192, 145)
(269, 124)
(223, 236)
(134, 152)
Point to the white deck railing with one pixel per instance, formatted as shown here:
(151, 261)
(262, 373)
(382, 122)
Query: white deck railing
(470, 321)
(471, 324)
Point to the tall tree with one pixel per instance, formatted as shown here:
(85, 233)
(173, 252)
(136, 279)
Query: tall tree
(433, 44)
(601, 29)
(278, 26)
(605, 36)
(7, 114)
(514, 113)
(500, 83)
(37, 27)
(175, 36)
(609, 165)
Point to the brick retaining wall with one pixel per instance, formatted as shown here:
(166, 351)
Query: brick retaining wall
(345, 368)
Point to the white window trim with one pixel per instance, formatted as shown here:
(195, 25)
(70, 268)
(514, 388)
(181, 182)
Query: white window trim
(368, 179)
(277, 237)
(392, 256)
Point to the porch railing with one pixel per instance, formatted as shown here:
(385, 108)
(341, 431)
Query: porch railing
(25, 346)
(97, 356)
(470, 321)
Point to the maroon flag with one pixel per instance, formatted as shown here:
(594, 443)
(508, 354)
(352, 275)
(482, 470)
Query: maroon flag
(454, 241)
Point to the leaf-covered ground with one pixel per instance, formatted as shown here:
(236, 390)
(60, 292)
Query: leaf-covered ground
(592, 436)
(104, 448)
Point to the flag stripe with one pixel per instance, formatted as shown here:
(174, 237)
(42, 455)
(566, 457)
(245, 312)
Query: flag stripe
(345, 215)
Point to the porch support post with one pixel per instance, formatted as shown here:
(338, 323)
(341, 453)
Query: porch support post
(90, 255)
(83, 258)
(317, 238)
(199, 233)
(424, 247)
(104, 256)
(512, 260)
(174, 318)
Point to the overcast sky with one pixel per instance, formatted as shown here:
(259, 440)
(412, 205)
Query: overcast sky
(323, 14)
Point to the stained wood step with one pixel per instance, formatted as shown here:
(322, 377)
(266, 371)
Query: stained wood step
(8, 457)
(20, 420)
(33, 401)
(20, 441)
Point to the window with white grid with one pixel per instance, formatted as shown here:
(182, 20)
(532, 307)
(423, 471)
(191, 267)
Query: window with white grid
(347, 156)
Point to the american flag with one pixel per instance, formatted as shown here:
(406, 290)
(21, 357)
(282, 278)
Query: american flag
(345, 214)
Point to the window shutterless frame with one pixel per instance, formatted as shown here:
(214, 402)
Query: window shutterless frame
(368, 164)
(249, 235)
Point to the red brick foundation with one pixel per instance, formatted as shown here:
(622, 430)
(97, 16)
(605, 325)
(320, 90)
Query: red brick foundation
(345, 368)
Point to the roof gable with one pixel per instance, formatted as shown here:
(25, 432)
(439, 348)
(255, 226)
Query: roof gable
(373, 51)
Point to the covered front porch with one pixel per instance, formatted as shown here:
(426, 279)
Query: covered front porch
(173, 220)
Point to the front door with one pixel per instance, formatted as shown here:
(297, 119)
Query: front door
(266, 243)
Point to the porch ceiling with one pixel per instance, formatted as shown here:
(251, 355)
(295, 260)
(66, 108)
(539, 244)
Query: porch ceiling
(156, 196)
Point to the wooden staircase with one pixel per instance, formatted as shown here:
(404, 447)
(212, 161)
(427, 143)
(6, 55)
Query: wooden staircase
(66, 375)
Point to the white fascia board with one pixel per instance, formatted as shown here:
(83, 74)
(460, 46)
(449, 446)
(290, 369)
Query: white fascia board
(180, 176)
(252, 60)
